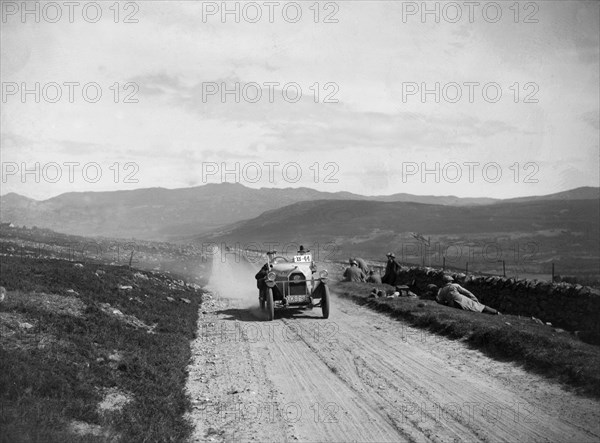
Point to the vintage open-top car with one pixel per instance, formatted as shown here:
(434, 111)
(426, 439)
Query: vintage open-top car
(293, 283)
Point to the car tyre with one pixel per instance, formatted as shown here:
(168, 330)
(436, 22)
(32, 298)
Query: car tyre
(325, 300)
(261, 299)
(270, 305)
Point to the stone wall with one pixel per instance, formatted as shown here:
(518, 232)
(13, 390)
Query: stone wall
(567, 306)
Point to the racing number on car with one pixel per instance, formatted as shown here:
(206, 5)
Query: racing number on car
(302, 258)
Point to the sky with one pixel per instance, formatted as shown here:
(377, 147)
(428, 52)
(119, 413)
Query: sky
(373, 97)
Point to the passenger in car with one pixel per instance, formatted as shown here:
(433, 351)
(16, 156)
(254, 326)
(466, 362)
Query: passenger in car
(303, 251)
(261, 275)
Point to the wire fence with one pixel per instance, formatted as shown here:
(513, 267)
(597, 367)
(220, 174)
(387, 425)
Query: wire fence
(548, 271)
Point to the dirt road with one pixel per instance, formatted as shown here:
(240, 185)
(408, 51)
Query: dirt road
(359, 376)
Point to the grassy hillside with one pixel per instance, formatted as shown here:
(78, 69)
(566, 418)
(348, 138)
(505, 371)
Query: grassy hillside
(528, 236)
(91, 351)
(349, 218)
(189, 261)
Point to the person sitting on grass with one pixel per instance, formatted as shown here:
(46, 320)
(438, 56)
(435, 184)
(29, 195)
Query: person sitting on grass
(361, 264)
(454, 295)
(354, 273)
(374, 278)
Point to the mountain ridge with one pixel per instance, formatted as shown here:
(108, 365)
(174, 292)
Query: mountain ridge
(165, 214)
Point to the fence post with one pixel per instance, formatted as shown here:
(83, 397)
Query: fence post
(503, 268)
(552, 272)
(467, 268)
(443, 263)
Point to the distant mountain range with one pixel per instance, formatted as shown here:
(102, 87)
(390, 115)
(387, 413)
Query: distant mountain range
(583, 193)
(167, 214)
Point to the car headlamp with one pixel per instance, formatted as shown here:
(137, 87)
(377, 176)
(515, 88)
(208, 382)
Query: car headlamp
(323, 274)
(271, 276)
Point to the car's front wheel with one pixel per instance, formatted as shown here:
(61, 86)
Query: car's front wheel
(270, 305)
(325, 300)
(261, 300)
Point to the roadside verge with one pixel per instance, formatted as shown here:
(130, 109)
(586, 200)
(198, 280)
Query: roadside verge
(542, 349)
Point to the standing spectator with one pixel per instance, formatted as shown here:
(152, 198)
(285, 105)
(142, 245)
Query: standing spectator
(391, 270)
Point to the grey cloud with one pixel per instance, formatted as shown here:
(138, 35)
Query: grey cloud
(314, 126)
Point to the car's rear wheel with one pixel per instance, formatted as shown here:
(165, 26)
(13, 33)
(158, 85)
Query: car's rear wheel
(325, 300)
(270, 305)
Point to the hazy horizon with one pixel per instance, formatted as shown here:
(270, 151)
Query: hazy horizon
(298, 187)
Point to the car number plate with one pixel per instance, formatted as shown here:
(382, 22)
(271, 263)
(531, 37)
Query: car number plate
(307, 258)
(296, 298)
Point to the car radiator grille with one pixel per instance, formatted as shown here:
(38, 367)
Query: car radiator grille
(297, 284)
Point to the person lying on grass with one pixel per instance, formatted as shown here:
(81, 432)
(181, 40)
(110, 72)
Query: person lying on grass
(455, 296)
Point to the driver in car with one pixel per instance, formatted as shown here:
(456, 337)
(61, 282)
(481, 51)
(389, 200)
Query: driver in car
(302, 251)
